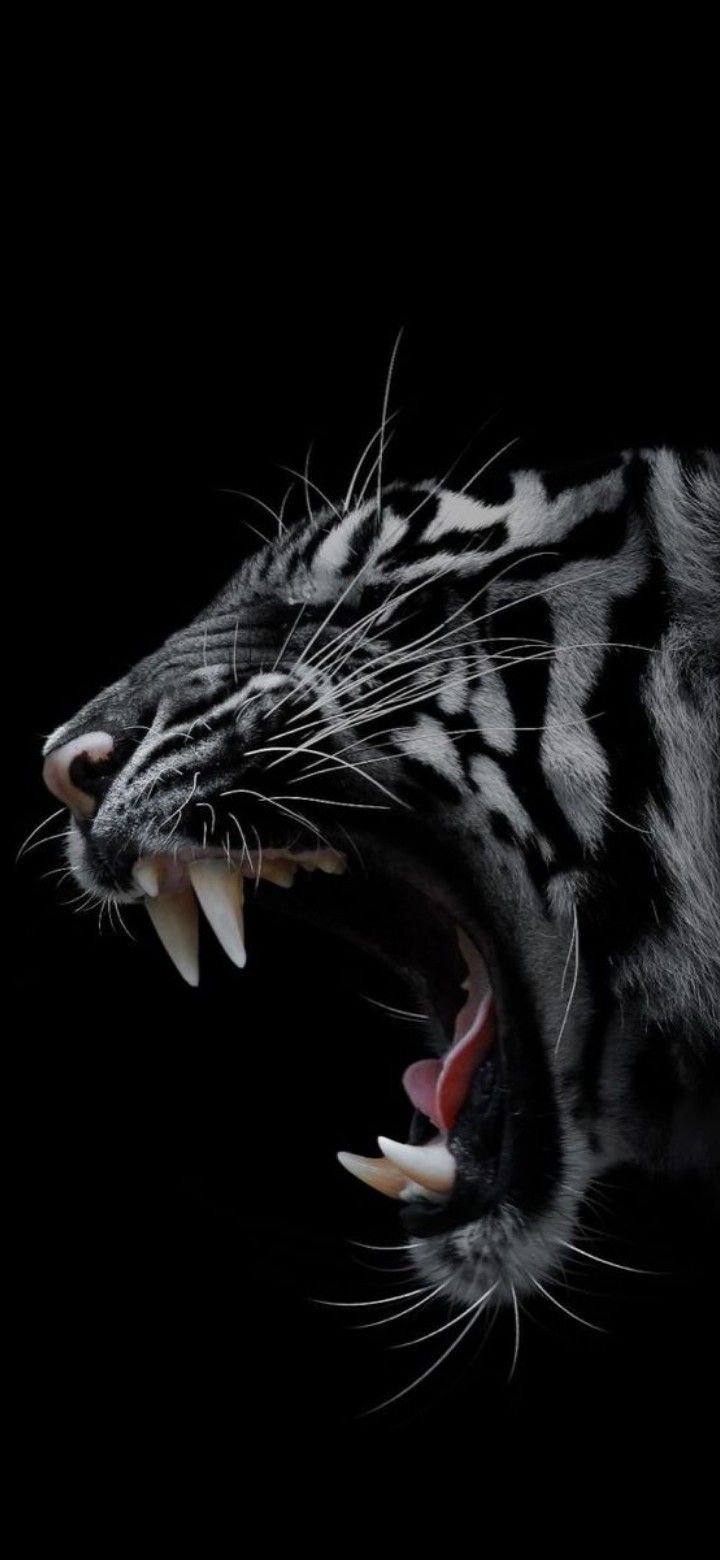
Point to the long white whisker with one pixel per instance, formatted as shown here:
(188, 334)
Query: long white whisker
(407, 1245)
(421, 1018)
(377, 435)
(37, 829)
(516, 1316)
(383, 419)
(358, 1305)
(331, 801)
(289, 637)
(425, 693)
(274, 801)
(241, 493)
(303, 476)
(286, 752)
(488, 463)
(576, 972)
(564, 1308)
(429, 1372)
(48, 839)
(385, 1321)
(605, 1261)
(453, 1322)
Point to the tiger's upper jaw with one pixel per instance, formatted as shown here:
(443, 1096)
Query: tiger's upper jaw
(473, 704)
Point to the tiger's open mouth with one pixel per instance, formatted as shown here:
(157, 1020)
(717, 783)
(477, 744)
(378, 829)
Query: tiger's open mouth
(449, 1168)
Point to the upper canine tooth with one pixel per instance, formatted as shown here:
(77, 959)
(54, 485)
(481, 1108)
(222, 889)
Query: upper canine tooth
(220, 892)
(430, 1164)
(147, 877)
(279, 871)
(375, 1172)
(175, 918)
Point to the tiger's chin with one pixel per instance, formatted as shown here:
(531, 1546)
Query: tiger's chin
(489, 1180)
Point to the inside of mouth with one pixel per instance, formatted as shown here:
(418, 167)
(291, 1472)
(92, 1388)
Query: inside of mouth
(403, 926)
(438, 1087)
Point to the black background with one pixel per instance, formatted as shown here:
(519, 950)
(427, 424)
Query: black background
(179, 1200)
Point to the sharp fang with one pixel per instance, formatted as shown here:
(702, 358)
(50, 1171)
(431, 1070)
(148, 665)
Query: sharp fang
(431, 1164)
(375, 1172)
(147, 877)
(280, 872)
(175, 918)
(220, 892)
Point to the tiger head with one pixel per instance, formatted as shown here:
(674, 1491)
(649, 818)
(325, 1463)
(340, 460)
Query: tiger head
(477, 735)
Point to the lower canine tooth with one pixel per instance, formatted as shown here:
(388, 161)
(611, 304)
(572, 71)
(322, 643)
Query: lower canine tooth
(220, 892)
(375, 1172)
(430, 1164)
(175, 918)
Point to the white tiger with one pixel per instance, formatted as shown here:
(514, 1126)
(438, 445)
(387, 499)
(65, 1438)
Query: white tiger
(507, 704)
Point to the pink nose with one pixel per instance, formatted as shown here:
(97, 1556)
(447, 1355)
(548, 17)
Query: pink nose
(66, 768)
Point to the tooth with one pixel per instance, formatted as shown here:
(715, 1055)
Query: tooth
(431, 1164)
(375, 1172)
(330, 861)
(220, 892)
(280, 872)
(147, 877)
(175, 918)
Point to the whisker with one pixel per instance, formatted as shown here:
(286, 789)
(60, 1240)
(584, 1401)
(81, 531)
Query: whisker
(406, 1245)
(36, 830)
(573, 1317)
(396, 1012)
(63, 835)
(429, 1372)
(453, 1322)
(384, 1321)
(356, 1305)
(383, 419)
(576, 972)
(366, 451)
(621, 1267)
(516, 1317)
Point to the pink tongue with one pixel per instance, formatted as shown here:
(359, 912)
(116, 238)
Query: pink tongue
(439, 1089)
(420, 1082)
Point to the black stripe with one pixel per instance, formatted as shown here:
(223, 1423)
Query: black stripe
(362, 541)
(629, 893)
(600, 535)
(422, 784)
(411, 501)
(579, 474)
(528, 687)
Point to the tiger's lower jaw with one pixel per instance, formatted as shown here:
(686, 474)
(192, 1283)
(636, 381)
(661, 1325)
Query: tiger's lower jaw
(470, 1191)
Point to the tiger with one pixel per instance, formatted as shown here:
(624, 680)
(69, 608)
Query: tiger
(474, 731)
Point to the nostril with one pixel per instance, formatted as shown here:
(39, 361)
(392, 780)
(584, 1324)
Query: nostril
(74, 772)
(87, 773)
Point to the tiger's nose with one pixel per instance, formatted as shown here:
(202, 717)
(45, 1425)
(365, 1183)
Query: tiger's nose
(71, 771)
